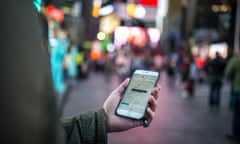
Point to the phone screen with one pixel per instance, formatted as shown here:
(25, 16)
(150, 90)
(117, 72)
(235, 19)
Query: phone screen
(136, 96)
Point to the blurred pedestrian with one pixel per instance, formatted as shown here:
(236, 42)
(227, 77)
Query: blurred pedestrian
(28, 99)
(232, 72)
(108, 64)
(57, 55)
(171, 71)
(122, 63)
(193, 76)
(184, 68)
(215, 70)
(137, 61)
(70, 65)
(157, 60)
(70, 72)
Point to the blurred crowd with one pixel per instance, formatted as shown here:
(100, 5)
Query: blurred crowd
(70, 61)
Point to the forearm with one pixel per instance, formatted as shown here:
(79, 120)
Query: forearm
(87, 127)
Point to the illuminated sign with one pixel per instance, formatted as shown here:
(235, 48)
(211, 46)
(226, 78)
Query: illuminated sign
(153, 3)
(109, 23)
(137, 36)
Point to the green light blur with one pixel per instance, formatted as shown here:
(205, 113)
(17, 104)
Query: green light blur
(38, 4)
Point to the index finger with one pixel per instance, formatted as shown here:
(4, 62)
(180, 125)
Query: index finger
(122, 86)
(156, 90)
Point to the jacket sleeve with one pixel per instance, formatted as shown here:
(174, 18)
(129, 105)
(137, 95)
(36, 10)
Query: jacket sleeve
(86, 128)
(229, 71)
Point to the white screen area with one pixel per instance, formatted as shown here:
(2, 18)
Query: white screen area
(137, 93)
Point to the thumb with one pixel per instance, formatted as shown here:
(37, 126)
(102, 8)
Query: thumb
(123, 86)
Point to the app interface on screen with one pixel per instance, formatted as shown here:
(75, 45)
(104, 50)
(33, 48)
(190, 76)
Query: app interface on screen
(137, 93)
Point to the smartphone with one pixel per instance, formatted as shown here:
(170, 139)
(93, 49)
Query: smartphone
(134, 101)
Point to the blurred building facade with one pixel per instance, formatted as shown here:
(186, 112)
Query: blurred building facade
(202, 20)
(206, 21)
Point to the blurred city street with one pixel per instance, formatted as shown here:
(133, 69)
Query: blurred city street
(178, 120)
(62, 59)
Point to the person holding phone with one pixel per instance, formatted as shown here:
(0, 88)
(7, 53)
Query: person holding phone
(95, 124)
(29, 113)
(117, 123)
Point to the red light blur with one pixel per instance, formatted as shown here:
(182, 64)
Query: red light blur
(54, 13)
(153, 3)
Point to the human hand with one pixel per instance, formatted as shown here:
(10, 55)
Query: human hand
(116, 123)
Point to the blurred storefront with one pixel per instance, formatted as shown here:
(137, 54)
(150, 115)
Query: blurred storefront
(203, 24)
